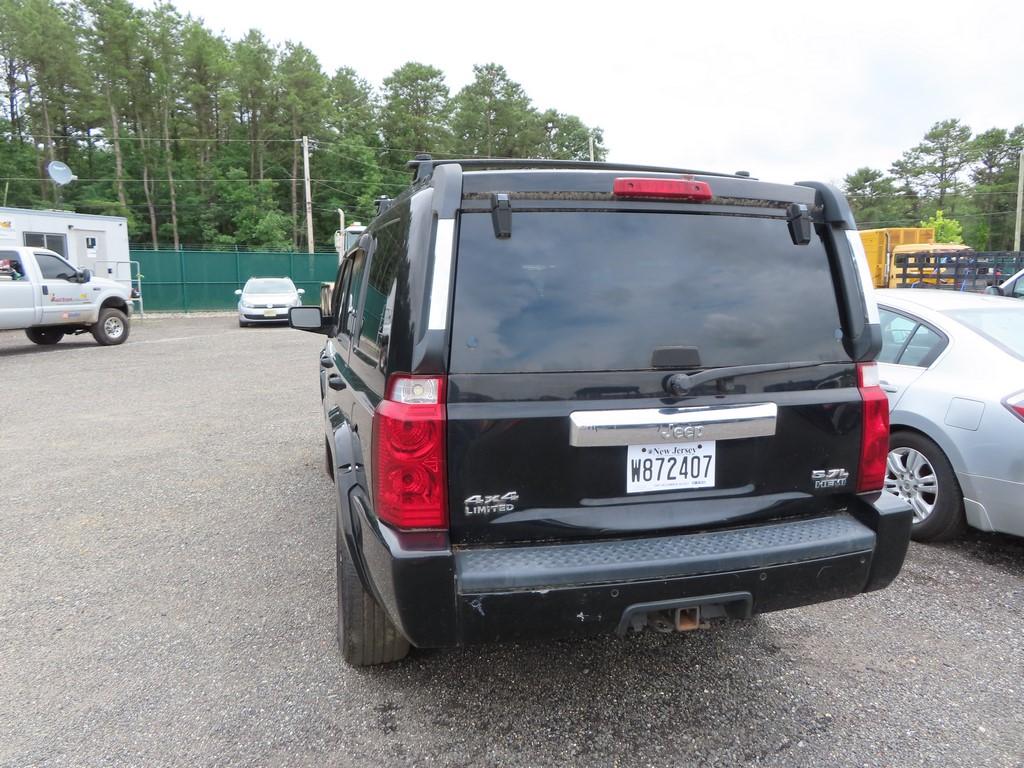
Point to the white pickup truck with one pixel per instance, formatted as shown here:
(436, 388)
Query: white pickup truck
(43, 294)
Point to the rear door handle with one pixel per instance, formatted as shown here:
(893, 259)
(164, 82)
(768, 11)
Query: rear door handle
(335, 382)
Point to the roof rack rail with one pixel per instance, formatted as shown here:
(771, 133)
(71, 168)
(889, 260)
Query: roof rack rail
(423, 165)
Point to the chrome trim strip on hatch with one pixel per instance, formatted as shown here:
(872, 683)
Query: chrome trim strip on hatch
(441, 279)
(671, 425)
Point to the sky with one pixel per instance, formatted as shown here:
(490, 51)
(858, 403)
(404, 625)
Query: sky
(787, 91)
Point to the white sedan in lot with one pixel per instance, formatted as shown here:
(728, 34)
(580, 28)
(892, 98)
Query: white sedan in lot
(267, 300)
(952, 365)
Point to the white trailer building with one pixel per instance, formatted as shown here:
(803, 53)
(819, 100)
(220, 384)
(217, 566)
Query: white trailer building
(98, 243)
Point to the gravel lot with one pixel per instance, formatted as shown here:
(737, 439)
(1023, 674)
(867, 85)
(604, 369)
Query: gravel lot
(167, 598)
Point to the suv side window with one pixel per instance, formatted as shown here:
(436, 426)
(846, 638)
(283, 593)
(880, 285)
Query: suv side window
(379, 305)
(347, 300)
(340, 289)
(54, 268)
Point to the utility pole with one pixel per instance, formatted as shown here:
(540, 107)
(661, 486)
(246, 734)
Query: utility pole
(309, 199)
(1020, 195)
(591, 137)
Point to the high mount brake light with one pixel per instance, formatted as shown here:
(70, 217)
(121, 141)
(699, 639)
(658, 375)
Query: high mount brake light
(1015, 403)
(874, 440)
(676, 189)
(409, 454)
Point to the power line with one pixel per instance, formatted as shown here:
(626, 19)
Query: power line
(104, 138)
(314, 143)
(161, 180)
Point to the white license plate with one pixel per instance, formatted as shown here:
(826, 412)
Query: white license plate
(270, 313)
(670, 466)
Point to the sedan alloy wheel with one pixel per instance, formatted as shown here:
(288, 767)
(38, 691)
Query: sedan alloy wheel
(911, 476)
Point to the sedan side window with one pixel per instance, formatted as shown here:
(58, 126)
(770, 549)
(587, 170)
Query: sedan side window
(924, 346)
(1018, 288)
(896, 329)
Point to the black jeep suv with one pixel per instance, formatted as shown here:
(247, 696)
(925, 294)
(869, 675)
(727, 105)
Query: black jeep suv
(567, 397)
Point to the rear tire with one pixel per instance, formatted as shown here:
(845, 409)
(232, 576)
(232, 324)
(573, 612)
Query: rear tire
(44, 336)
(111, 328)
(919, 472)
(366, 635)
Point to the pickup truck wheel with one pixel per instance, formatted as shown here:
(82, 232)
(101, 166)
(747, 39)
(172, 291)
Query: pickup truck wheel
(918, 471)
(44, 336)
(111, 328)
(366, 635)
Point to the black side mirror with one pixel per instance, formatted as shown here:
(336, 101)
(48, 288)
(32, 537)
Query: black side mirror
(84, 276)
(309, 319)
(994, 290)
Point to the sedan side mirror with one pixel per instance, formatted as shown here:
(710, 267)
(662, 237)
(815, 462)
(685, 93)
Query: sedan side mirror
(301, 291)
(238, 292)
(994, 290)
(309, 319)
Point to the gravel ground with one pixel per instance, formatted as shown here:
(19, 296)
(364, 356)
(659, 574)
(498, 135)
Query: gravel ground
(167, 598)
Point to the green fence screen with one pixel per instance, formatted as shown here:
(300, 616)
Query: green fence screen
(185, 281)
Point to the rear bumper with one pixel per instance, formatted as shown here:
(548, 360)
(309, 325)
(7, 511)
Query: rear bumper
(993, 504)
(439, 597)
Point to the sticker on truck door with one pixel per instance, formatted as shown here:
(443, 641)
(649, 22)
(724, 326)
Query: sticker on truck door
(670, 467)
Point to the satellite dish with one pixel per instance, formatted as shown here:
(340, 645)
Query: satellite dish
(60, 173)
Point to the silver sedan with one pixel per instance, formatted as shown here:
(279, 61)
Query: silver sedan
(952, 365)
(267, 300)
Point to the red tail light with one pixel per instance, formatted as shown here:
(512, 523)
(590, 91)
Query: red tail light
(408, 454)
(679, 189)
(1016, 405)
(874, 441)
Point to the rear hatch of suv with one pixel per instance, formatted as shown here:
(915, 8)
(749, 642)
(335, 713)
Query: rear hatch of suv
(575, 400)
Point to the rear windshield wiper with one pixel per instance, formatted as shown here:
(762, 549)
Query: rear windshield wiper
(679, 384)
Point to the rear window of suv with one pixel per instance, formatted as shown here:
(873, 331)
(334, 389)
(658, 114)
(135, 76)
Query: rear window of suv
(595, 291)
